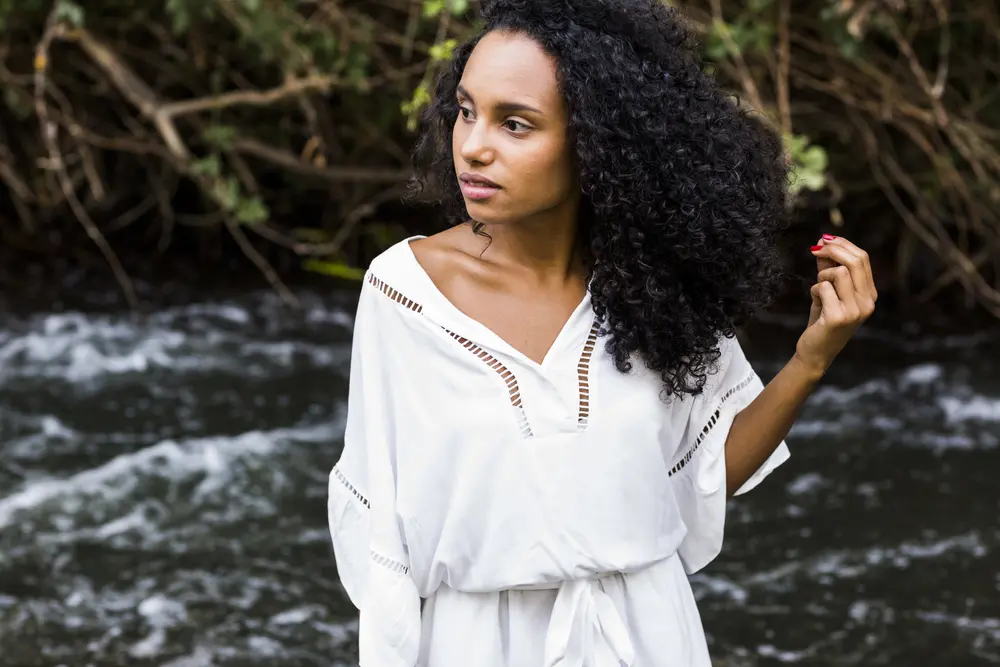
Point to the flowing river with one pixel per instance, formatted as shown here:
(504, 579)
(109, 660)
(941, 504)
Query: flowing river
(163, 486)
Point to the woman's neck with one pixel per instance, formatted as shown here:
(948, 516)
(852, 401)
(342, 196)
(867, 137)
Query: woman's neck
(547, 246)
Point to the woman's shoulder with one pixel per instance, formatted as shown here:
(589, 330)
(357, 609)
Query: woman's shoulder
(409, 272)
(445, 257)
(394, 261)
(415, 251)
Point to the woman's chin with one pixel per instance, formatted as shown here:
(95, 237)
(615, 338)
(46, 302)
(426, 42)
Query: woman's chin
(483, 213)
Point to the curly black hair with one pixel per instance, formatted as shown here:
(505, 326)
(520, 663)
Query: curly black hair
(683, 189)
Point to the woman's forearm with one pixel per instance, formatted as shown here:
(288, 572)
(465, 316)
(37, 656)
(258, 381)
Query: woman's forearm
(760, 427)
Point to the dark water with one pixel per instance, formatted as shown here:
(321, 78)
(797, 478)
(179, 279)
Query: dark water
(162, 498)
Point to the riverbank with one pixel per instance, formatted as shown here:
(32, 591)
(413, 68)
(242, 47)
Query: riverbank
(54, 282)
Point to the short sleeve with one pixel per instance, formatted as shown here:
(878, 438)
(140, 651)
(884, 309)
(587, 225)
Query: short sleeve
(699, 467)
(372, 559)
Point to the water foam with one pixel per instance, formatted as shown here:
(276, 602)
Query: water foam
(81, 348)
(210, 459)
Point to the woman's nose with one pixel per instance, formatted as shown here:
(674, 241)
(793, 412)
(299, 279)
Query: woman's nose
(476, 148)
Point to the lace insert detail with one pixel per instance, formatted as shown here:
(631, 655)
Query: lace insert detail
(390, 564)
(505, 374)
(395, 295)
(710, 424)
(350, 487)
(583, 378)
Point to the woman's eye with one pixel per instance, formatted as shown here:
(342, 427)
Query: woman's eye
(516, 126)
(466, 113)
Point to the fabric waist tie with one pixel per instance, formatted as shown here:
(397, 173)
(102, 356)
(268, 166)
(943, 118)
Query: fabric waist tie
(585, 629)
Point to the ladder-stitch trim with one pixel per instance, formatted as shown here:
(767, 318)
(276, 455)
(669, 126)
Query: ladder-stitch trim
(395, 295)
(350, 487)
(389, 563)
(505, 374)
(710, 424)
(377, 558)
(583, 377)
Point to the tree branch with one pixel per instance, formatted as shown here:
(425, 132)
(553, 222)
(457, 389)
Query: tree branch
(291, 88)
(291, 162)
(49, 132)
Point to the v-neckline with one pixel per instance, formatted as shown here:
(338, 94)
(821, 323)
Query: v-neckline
(484, 335)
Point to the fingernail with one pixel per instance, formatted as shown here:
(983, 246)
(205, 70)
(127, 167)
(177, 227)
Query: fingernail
(816, 247)
(828, 237)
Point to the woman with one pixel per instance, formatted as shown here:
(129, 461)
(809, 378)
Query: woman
(548, 408)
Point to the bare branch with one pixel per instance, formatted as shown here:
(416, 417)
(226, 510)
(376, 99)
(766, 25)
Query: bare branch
(250, 97)
(49, 132)
(262, 264)
(746, 79)
(784, 65)
(291, 162)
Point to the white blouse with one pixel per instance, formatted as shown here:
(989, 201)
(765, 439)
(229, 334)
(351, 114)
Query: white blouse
(489, 510)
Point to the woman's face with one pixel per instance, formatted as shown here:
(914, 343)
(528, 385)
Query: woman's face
(510, 142)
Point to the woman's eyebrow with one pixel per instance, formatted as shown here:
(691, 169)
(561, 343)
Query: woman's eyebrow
(504, 106)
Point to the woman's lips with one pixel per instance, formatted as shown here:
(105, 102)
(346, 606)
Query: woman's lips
(477, 189)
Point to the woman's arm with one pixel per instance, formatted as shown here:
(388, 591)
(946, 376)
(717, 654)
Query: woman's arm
(842, 299)
(761, 426)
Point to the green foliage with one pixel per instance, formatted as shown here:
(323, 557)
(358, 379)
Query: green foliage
(183, 13)
(443, 50)
(835, 27)
(439, 52)
(433, 8)
(752, 31)
(277, 34)
(331, 146)
(809, 164)
(252, 211)
(69, 11)
(334, 269)
(19, 102)
(207, 166)
(221, 136)
(412, 107)
(746, 35)
(226, 191)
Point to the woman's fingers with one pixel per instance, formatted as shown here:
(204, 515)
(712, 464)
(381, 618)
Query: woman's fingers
(864, 259)
(842, 280)
(849, 257)
(833, 309)
(857, 262)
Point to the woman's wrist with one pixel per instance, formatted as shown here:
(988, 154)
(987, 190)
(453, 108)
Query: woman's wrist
(810, 371)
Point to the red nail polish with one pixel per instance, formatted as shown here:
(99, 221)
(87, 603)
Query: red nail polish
(816, 247)
(828, 237)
